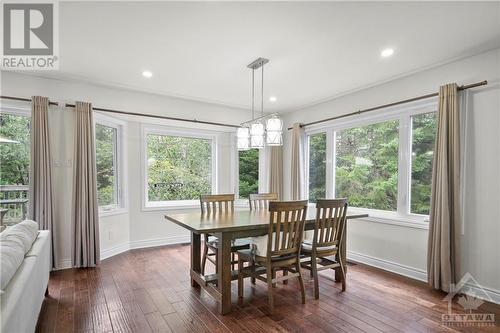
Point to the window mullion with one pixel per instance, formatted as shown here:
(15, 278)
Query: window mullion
(330, 163)
(404, 165)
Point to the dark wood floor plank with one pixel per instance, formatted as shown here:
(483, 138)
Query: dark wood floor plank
(148, 290)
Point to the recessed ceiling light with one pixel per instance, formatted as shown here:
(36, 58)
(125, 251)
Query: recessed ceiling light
(147, 74)
(272, 99)
(387, 53)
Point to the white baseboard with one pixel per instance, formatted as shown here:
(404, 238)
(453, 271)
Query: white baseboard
(387, 265)
(492, 295)
(418, 274)
(140, 244)
(114, 250)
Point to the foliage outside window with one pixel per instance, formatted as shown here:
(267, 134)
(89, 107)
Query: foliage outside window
(248, 172)
(14, 165)
(106, 162)
(367, 165)
(317, 166)
(423, 137)
(178, 168)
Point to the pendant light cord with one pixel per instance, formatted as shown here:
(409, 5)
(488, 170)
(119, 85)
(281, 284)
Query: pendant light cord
(262, 93)
(253, 92)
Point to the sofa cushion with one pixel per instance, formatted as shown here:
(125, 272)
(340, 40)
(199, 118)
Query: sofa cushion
(15, 242)
(11, 257)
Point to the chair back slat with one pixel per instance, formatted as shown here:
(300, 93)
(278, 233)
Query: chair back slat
(212, 203)
(286, 227)
(261, 200)
(330, 222)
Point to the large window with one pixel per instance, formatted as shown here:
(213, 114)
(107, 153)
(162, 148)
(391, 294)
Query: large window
(422, 144)
(382, 162)
(106, 160)
(178, 167)
(317, 166)
(14, 165)
(248, 161)
(109, 163)
(367, 165)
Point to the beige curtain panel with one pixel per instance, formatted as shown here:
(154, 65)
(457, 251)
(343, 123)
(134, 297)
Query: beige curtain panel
(443, 259)
(298, 174)
(85, 209)
(276, 171)
(41, 206)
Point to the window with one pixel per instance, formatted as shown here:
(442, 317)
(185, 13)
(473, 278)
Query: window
(367, 165)
(106, 160)
(248, 161)
(15, 162)
(317, 166)
(423, 135)
(179, 167)
(382, 162)
(110, 164)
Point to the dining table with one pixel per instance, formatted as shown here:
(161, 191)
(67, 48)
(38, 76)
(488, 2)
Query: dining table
(228, 226)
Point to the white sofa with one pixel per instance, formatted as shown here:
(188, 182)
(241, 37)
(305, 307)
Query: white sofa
(22, 298)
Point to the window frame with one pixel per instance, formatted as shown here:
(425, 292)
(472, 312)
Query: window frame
(402, 216)
(121, 164)
(180, 132)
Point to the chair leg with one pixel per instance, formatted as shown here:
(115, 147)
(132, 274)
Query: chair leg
(233, 257)
(240, 281)
(270, 297)
(285, 273)
(343, 277)
(252, 279)
(204, 259)
(314, 271)
(301, 282)
(274, 277)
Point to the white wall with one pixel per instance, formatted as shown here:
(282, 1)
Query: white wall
(404, 249)
(134, 228)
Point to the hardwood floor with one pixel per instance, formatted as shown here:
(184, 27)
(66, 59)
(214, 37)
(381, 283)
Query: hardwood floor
(148, 290)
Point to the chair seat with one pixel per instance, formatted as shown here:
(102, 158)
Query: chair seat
(237, 244)
(259, 244)
(249, 255)
(307, 247)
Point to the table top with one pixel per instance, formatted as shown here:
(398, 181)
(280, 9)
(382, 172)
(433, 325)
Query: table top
(239, 220)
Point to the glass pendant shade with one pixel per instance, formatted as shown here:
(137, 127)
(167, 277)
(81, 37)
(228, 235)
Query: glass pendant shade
(257, 129)
(274, 138)
(243, 138)
(274, 124)
(257, 141)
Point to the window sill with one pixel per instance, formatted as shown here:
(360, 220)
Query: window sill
(392, 218)
(112, 212)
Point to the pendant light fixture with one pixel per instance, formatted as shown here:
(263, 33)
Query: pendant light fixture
(264, 130)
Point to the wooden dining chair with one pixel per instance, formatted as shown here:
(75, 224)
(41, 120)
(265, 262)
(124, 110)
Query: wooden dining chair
(278, 250)
(261, 200)
(322, 243)
(218, 204)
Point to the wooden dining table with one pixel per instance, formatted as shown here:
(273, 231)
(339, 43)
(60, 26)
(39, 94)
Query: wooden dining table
(228, 226)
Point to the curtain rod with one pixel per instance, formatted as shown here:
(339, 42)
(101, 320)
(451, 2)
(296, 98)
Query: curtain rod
(468, 86)
(24, 99)
(158, 117)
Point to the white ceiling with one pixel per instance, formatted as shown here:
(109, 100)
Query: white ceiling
(317, 50)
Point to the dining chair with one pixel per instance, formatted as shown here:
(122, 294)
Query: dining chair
(261, 200)
(218, 204)
(322, 243)
(278, 250)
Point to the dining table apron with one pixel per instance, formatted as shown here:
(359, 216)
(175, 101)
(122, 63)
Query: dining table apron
(228, 226)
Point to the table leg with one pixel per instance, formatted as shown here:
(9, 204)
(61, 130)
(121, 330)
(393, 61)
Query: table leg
(195, 256)
(224, 271)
